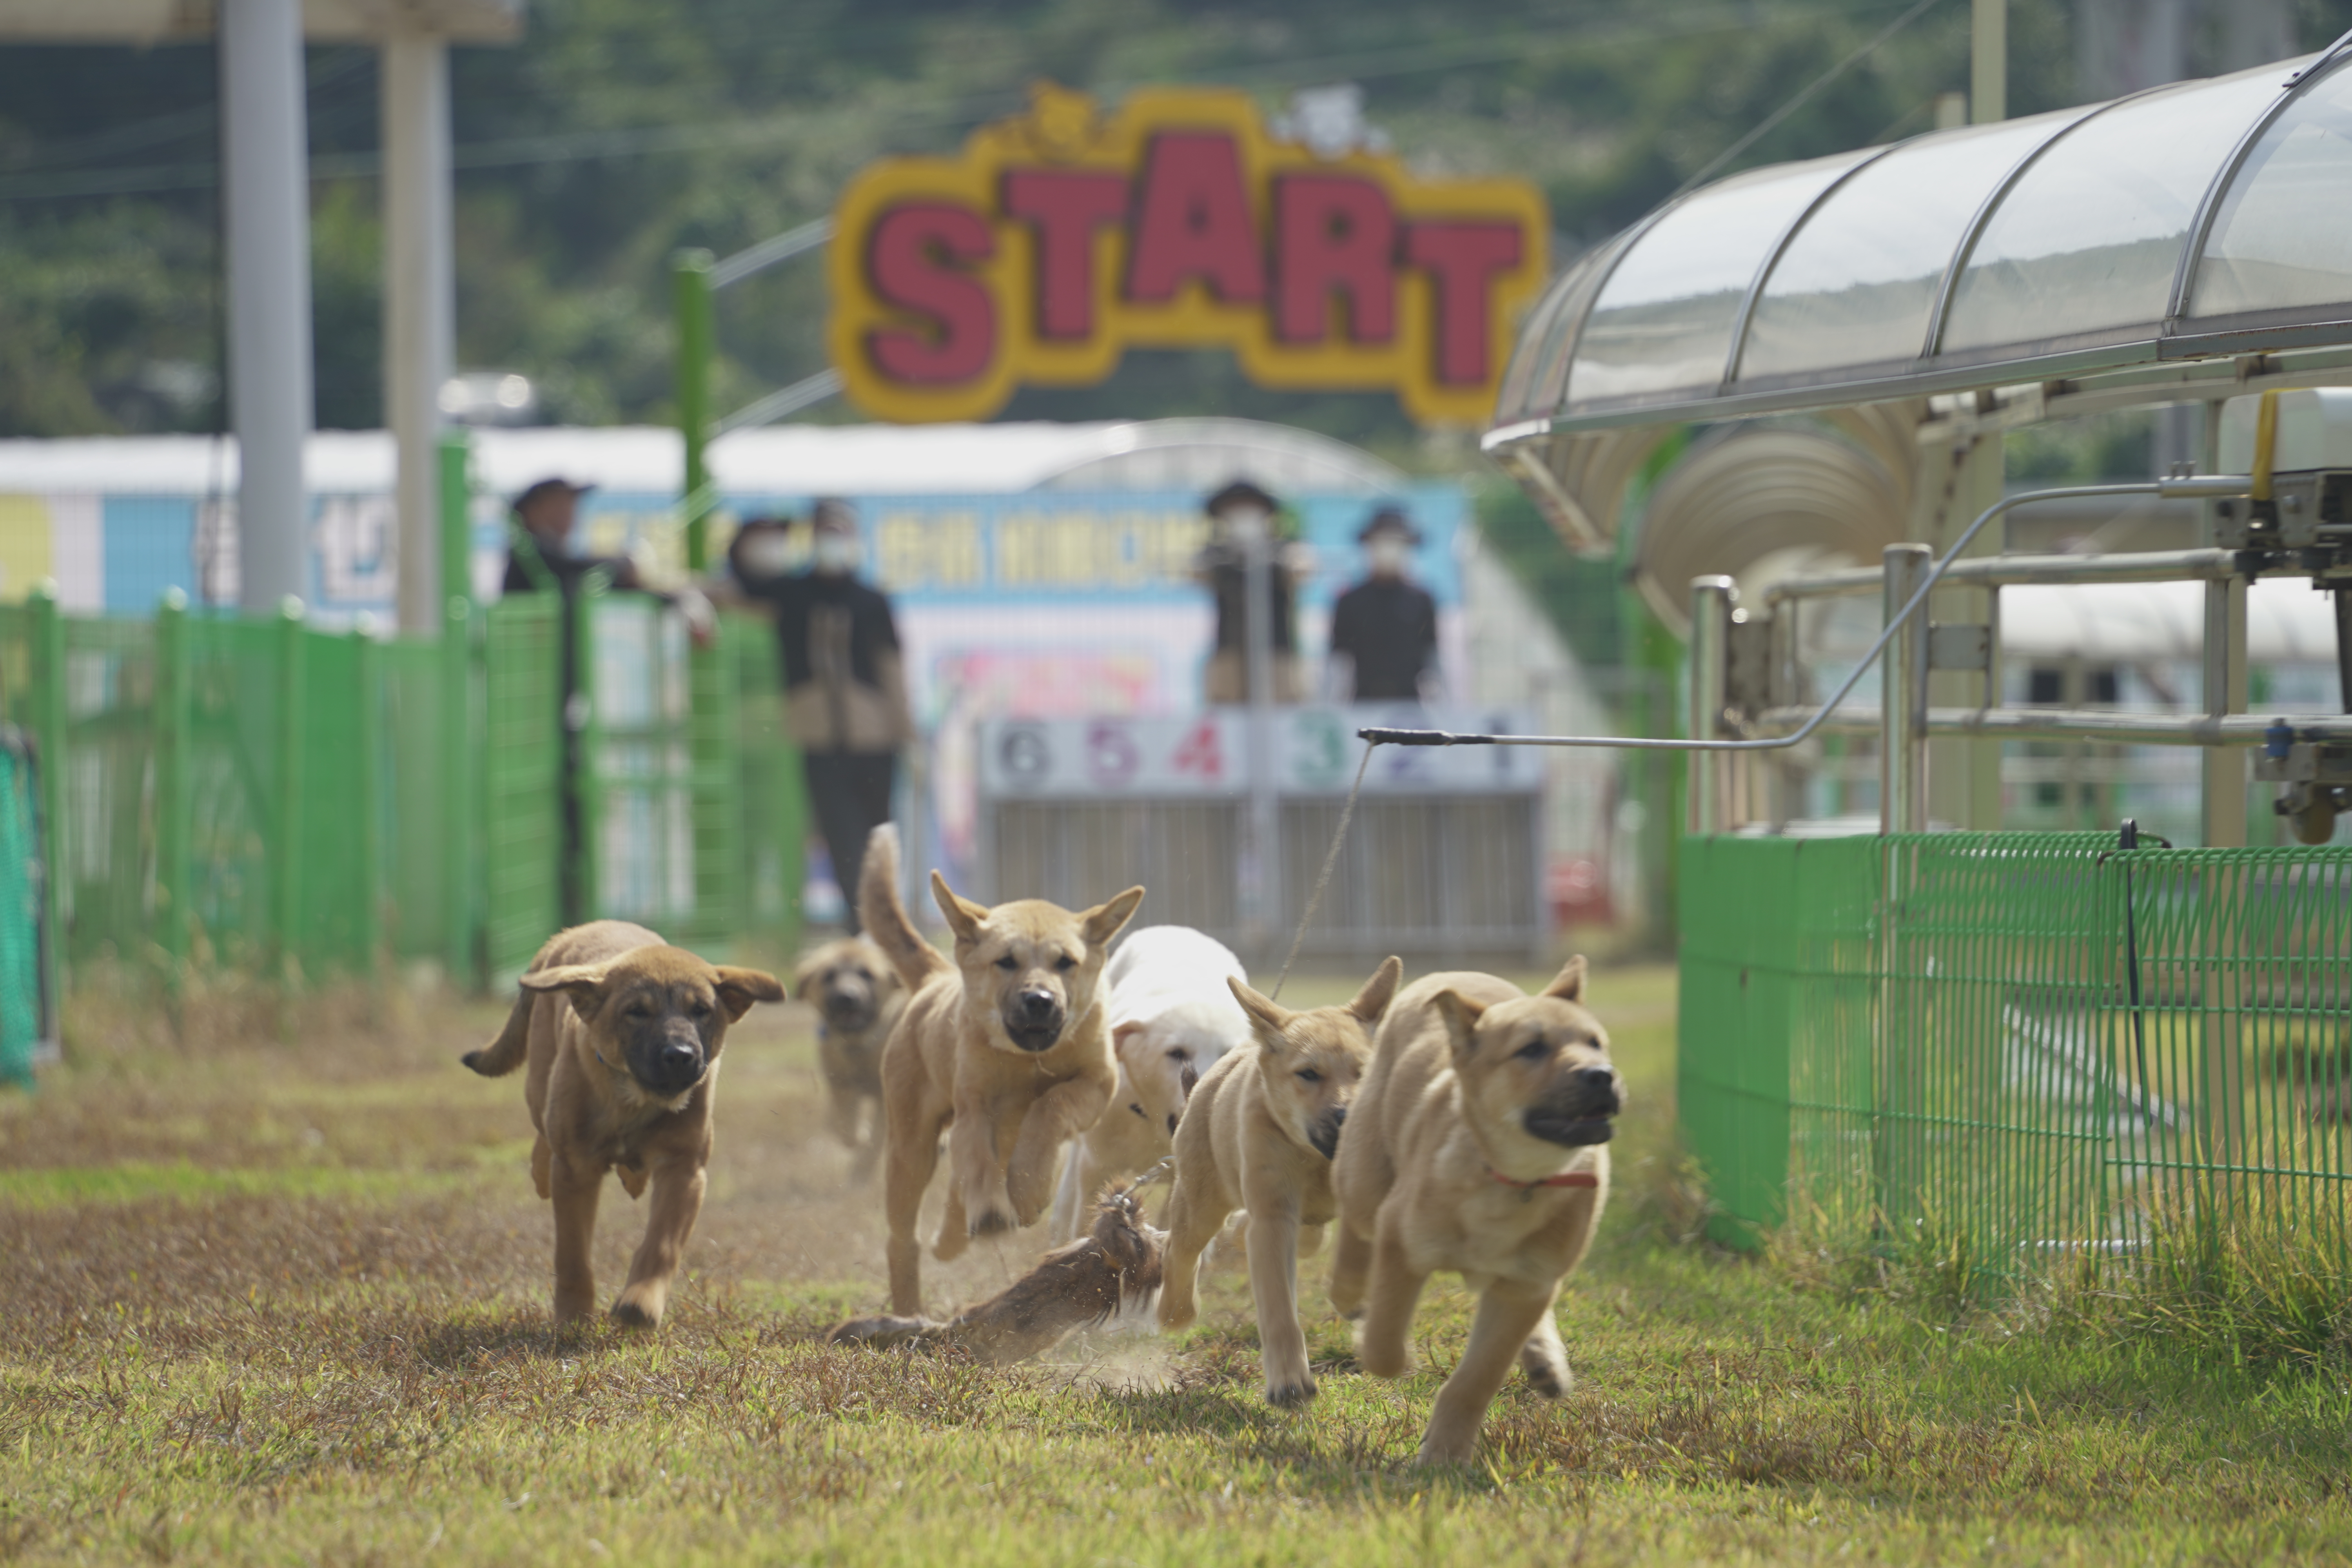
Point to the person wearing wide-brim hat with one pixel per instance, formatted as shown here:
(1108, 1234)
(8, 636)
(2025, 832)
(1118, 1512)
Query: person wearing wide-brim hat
(1238, 512)
(1385, 629)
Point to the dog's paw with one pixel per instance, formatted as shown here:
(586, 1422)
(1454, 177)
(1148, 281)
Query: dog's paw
(1174, 1315)
(993, 1221)
(632, 1314)
(1290, 1395)
(1552, 1382)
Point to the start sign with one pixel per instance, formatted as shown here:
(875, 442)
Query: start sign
(1061, 239)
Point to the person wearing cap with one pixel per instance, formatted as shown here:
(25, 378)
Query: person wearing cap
(540, 560)
(844, 684)
(1240, 515)
(1384, 629)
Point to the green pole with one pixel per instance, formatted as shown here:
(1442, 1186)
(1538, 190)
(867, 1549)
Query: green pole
(690, 284)
(461, 758)
(286, 879)
(175, 816)
(367, 697)
(49, 733)
(590, 782)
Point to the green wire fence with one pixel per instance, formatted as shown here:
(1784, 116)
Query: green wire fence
(2026, 1046)
(266, 796)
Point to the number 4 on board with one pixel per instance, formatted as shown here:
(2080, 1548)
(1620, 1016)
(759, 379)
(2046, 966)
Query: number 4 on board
(1201, 752)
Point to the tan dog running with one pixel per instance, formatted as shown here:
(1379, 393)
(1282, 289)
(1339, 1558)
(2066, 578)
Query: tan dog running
(1476, 1145)
(1006, 1049)
(857, 996)
(1259, 1135)
(622, 1035)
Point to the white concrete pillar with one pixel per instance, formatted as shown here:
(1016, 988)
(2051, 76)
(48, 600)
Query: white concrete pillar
(419, 304)
(265, 153)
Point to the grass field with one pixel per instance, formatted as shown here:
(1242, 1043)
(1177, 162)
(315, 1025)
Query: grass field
(287, 1303)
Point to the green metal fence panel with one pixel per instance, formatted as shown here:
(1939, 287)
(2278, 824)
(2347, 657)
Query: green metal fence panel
(413, 814)
(231, 775)
(771, 798)
(20, 913)
(335, 832)
(521, 764)
(109, 752)
(637, 766)
(2018, 1047)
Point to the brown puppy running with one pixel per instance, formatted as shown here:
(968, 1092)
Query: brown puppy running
(858, 997)
(622, 1035)
(1007, 1046)
(1477, 1144)
(1259, 1135)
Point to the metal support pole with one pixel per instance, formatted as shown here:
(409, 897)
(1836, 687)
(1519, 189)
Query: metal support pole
(265, 154)
(1988, 61)
(419, 306)
(286, 873)
(690, 286)
(461, 759)
(367, 804)
(1710, 650)
(174, 807)
(1903, 708)
(1262, 879)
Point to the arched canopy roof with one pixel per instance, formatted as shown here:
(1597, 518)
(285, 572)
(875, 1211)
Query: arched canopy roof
(2199, 220)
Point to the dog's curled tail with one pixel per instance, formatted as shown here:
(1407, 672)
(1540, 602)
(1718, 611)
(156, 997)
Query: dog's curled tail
(885, 917)
(506, 1053)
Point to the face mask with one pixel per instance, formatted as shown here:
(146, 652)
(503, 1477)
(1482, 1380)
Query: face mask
(1388, 555)
(1244, 524)
(837, 553)
(765, 554)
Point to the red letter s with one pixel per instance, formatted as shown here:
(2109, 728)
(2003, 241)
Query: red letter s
(911, 263)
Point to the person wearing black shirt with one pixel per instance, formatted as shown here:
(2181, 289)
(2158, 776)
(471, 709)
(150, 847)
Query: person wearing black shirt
(845, 685)
(1238, 514)
(1385, 628)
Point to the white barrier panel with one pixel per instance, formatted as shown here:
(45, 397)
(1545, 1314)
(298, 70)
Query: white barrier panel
(1208, 753)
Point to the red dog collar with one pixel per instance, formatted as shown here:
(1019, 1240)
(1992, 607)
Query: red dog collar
(1565, 1179)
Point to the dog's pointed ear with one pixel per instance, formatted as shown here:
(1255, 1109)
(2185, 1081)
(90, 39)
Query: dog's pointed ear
(739, 988)
(964, 917)
(1567, 985)
(1461, 1015)
(1104, 921)
(583, 982)
(1378, 992)
(1267, 1020)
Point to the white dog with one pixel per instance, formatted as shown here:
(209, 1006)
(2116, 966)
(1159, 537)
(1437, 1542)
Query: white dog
(1172, 1016)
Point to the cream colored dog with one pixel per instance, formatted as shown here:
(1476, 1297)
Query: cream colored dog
(1005, 1049)
(1476, 1145)
(1258, 1135)
(1171, 1020)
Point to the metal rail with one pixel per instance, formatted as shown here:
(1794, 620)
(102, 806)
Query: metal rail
(2087, 724)
(2195, 486)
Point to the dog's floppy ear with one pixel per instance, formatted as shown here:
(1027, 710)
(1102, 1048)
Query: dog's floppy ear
(583, 982)
(1567, 985)
(1461, 1015)
(739, 988)
(811, 968)
(963, 916)
(1373, 999)
(1104, 921)
(1267, 1020)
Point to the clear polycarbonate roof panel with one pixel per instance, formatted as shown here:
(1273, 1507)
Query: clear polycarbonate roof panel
(1539, 344)
(2089, 238)
(2283, 237)
(1664, 321)
(1857, 283)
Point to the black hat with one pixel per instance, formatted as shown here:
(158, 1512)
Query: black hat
(550, 487)
(1388, 519)
(1239, 493)
(832, 511)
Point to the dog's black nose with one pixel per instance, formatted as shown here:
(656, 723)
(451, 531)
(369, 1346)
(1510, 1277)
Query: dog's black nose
(681, 1059)
(1039, 1005)
(1188, 1081)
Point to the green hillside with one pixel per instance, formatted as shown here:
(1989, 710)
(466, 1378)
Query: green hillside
(621, 129)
